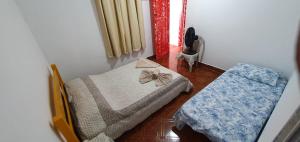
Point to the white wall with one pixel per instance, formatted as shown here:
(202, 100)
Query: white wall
(284, 109)
(24, 102)
(69, 34)
(262, 32)
(175, 15)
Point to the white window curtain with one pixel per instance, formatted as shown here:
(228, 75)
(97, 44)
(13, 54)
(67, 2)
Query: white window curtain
(122, 26)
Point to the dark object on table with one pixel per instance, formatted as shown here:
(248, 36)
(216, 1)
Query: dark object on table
(190, 37)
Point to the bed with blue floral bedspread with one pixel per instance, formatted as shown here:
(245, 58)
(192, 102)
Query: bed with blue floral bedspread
(234, 107)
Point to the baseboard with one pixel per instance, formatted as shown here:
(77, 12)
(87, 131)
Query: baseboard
(212, 67)
(151, 57)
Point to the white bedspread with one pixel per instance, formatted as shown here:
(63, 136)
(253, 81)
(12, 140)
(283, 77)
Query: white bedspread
(121, 88)
(120, 99)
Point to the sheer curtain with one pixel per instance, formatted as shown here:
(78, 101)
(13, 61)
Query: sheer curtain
(122, 26)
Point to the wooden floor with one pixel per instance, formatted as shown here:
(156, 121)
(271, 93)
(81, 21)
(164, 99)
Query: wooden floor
(159, 127)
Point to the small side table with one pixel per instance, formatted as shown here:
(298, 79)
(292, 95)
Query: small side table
(189, 58)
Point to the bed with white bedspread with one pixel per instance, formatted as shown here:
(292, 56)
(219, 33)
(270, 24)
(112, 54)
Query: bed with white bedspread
(114, 102)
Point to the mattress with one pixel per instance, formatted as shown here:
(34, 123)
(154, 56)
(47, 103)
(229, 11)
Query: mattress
(121, 87)
(231, 108)
(121, 100)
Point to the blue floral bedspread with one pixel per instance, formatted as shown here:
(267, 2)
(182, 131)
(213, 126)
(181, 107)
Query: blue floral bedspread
(232, 108)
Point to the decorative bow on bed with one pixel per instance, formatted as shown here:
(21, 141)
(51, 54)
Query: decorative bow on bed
(159, 78)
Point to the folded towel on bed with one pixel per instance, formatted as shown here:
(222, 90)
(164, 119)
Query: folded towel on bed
(160, 78)
(144, 63)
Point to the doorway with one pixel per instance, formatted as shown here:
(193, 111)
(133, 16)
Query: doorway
(166, 31)
(175, 17)
(176, 29)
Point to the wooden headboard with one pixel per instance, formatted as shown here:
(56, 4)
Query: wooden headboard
(62, 120)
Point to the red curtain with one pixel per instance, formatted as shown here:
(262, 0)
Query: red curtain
(182, 24)
(160, 15)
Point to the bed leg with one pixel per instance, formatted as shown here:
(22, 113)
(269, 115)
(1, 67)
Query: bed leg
(179, 124)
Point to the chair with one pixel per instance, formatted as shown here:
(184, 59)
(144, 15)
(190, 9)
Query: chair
(199, 46)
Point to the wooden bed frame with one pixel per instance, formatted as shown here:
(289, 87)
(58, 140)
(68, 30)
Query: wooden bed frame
(62, 119)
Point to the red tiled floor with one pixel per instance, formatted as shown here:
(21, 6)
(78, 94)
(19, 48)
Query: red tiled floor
(159, 127)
